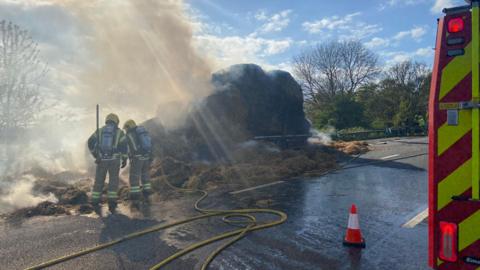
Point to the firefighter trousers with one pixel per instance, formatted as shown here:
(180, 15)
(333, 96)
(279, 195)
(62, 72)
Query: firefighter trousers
(139, 172)
(104, 167)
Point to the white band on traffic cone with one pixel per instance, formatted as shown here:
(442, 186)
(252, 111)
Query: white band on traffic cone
(353, 222)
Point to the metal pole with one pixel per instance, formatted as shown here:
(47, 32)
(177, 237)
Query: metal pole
(97, 150)
(475, 99)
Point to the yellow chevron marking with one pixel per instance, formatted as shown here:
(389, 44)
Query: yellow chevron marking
(469, 231)
(448, 135)
(455, 184)
(455, 71)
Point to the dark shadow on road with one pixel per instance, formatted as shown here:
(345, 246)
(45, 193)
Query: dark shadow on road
(117, 226)
(146, 250)
(355, 256)
(410, 142)
(394, 163)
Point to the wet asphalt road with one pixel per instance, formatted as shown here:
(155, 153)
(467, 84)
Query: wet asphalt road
(387, 195)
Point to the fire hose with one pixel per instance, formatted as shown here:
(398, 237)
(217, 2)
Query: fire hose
(228, 216)
(232, 217)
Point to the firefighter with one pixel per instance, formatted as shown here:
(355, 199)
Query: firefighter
(110, 155)
(140, 154)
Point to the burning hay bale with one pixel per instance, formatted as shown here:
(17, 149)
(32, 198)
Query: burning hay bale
(351, 148)
(73, 196)
(247, 102)
(176, 171)
(248, 166)
(215, 148)
(45, 208)
(259, 102)
(59, 194)
(66, 193)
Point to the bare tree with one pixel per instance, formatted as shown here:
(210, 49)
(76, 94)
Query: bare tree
(409, 74)
(333, 68)
(20, 75)
(408, 84)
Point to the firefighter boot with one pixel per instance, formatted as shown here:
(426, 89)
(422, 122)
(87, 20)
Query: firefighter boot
(97, 208)
(112, 206)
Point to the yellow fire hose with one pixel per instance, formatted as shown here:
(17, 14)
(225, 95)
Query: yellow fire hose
(249, 224)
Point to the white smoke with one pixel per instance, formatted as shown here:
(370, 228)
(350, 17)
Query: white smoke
(133, 57)
(141, 60)
(321, 137)
(20, 195)
(252, 144)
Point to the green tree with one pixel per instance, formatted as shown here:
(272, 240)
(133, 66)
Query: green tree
(399, 99)
(342, 89)
(344, 112)
(330, 74)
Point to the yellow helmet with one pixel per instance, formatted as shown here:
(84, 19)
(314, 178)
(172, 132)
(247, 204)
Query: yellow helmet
(112, 117)
(129, 124)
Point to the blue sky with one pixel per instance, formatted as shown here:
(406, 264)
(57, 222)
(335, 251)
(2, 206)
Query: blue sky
(95, 49)
(271, 32)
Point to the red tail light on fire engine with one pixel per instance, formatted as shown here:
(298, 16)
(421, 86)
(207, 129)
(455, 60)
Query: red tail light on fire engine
(456, 25)
(448, 241)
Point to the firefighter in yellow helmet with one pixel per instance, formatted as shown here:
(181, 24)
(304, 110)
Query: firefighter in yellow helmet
(140, 153)
(109, 148)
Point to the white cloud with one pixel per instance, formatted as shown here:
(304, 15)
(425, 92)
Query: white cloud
(415, 33)
(392, 3)
(277, 46)
(392, 58)
(425, 52)
(441, 4)
(276, 23)
(418, 32)
(346, 27)
(377, 42)
(286, 66)
(240, 49)
(261, 15)
(224, 47)
(361, 31)
(330, 23)
(202, 24)
(401, 56)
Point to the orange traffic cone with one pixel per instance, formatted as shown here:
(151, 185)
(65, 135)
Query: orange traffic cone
(354, 236)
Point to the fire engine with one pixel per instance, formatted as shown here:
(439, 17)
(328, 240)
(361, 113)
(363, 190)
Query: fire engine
(454, 141)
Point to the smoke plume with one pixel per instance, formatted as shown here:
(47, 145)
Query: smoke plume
(20, 195)
(321, 137)
(142, 62)
(133, 57)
